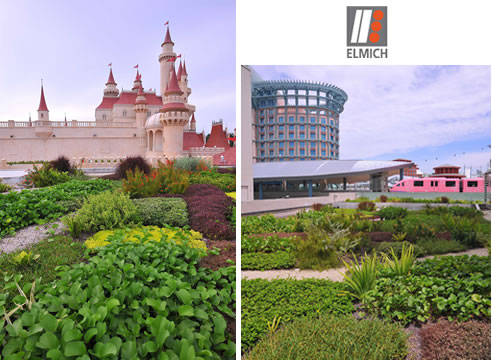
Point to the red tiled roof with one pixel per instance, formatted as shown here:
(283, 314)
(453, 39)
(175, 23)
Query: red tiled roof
(111, 78)
(218, 137)
(229, 158)
(42, 102)
(167, 38)
(107, 103)
(192, 139)
(129, 98)
(173, 87)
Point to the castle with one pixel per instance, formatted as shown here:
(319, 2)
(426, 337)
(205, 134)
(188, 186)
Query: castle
(127, 123)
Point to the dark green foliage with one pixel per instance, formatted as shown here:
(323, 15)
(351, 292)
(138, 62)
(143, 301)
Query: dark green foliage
(334, 338)
(132, 163)
(160, 211)
(267, 224)
(18, 210)
(252, 244)
(4, 187)
(434, 246)
(263, 301)
(391, 212)
(457, 287)
(268, 261)
(385, 248)
(62, 164)
(129, 301)
(225, 182)
(232, 219)
(444, 199)
(192, 164)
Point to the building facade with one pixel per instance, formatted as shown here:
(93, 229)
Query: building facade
(127, 123)
(413, 171)
(296, 120)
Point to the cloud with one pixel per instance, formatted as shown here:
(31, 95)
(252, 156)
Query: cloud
(396, 109)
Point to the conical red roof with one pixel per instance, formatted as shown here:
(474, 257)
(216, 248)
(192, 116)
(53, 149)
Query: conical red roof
(167, 39)
(184, 69)
(111, 78)
(173, 87)
(42, 102)
(180, 70)
(140, 99)
(193, 118)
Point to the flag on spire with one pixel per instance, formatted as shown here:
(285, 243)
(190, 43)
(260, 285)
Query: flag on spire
(110, 64)
(136, 66)
(166, 23)
(178, 56)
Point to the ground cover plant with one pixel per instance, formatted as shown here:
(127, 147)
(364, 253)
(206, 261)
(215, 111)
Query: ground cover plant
(456, 287)
(129, 301)
(105, 211)
(192, 164)
(209, 210)
(44, 176)
(20, 209)
(277, 302)
(145, 234)
(4, 187)
(438, 200)
(306, 339)
(162, 211)
(226, 181)
(469, 340)
(268, 261)
(267, 224)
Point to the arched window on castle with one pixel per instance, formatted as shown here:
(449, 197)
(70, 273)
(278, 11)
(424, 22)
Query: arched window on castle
(104, 116)
(42, 115)
(124, 113)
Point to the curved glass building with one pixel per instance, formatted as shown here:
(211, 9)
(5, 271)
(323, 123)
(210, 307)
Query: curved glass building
(296, 120)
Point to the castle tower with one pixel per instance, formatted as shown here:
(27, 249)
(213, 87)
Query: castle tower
(43, 112)
(111, 90)
(193, 123)
(141, 109)
(137, 83)
(166, 59)
(174, 117)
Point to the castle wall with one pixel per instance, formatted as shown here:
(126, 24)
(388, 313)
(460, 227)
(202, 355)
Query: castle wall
(26, 145)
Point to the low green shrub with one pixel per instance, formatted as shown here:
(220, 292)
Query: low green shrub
(225, 182)
(267, 224)
(268, 261)
(106, 211)
(252, 244)
(455, 287)
(129, 301)
(20, 209)
(4, 187)
(391, 212)
(334, 338)
(232, 219)
(161, 211)
(361, 276)
(44, 176)
(192, 164)
(435, 246)
(286, 299)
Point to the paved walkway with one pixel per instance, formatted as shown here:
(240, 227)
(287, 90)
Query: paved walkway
(332, 274)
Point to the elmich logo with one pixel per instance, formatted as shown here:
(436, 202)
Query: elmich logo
(367, 26)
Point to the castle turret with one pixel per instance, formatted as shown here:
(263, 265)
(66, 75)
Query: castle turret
(43, 112)
(166, 59)
(141, 109)
(111, 90)
(137, 83)
(174, 117)
(193, 123)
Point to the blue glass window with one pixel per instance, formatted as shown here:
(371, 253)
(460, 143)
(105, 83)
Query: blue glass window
(281, 136)
(262, 153)
(323, 137)
(323, 120)
(291, 127)
(281, 144)
(313, 136)
(262, 137)
(281, 127)
(301, 136)
(291, 152)
(323, 145)
(291, 135)
(281, 119)
(270, 120)
(301, 143)
(262, 145)
(312, 119)
(301, 127)
(271, 152)
(313, 127)
(291, 144)
(291, 119)
(281, 152)
(323, 152)
(313, 152)
(302, 118)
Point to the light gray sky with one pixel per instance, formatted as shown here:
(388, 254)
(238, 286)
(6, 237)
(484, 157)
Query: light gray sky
(428, 114)
(70, 43)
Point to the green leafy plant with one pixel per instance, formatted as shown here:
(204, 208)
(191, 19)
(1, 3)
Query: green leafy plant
(392, 212)
(401, 265)
(434, 246)
(334, 338)
(367, 206)
(192, 164)
(360, 277)
(162, 211)
(399, 237)
(272, 243)
(286, 299)
(139, 185)
(109, 210)
(267, 224)
(225, 182)
(24, 258)
(45, 176)
(4, 187)
(387, 248)
(268, 261)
